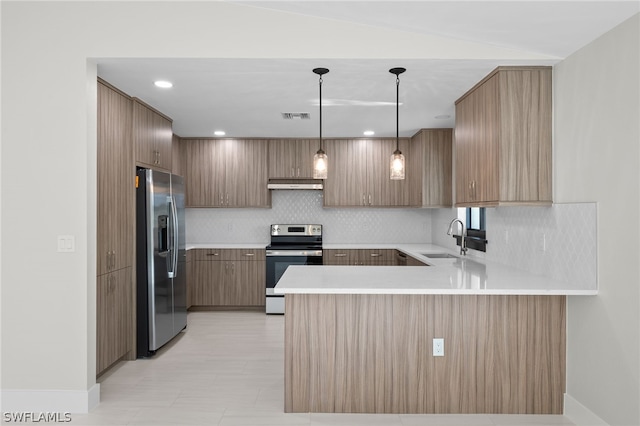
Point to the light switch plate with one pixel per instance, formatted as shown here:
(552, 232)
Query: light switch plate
(66, 244)
(438, 347)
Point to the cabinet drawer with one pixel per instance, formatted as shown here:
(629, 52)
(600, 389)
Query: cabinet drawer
(247, 254)
(212, 254)
(228, 254)
(376, 257)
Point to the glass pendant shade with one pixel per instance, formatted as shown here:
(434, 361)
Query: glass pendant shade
(320, 165)
(397, 165)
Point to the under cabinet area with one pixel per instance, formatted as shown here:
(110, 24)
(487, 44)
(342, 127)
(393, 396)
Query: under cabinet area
(153, 137)
(225, 172)
(503, 139)
(358, 174)
(226, 277)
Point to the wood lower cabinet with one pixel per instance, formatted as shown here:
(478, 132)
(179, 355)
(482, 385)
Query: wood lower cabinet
(114, 324)
(368, 257)
(227, 277)
(359, 174)
(225, 172)
(503, 139)
(153, 137)
(432, 168)
(292, 158)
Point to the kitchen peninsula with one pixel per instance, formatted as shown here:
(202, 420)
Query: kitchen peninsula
(358, 339)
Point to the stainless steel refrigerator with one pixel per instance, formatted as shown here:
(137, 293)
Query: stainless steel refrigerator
(161, 259)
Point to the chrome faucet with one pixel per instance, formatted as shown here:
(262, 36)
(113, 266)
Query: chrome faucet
(463, 243)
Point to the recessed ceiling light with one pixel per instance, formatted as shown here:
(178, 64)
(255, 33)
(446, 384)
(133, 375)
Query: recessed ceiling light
(163, 84)
(219, 133)
(442, 117)
(369, 133)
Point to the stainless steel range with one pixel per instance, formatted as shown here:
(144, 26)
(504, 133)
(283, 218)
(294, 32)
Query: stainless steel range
(290, 245)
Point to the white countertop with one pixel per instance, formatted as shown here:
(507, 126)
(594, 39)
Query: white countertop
(461, 275)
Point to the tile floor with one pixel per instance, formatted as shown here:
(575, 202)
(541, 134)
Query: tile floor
(227, 369)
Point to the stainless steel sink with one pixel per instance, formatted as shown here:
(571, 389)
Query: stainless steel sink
(439, 256)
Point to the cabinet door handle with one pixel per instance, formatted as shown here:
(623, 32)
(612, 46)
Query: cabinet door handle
(375, 254)
(369, 199)
(248, 254)
(340, 255)
(292, 172)
(473, 185)
(227, 203)
(364, 199)
(212, 254)
(298, 174)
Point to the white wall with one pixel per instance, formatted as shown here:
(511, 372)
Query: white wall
(48, 153)
(597, 158)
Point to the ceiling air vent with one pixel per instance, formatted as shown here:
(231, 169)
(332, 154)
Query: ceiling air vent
(296, 115)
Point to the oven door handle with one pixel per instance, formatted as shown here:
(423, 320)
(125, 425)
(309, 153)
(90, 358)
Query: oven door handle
(298, 253)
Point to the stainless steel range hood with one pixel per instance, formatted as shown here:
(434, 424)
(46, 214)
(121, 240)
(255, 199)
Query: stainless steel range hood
(294, 186)
(316, 184)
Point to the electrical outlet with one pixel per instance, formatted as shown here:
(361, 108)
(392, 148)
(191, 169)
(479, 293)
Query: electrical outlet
(542, 243)
(438, 347)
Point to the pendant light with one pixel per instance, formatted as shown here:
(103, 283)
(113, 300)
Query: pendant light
(397, 159)
(320, 159)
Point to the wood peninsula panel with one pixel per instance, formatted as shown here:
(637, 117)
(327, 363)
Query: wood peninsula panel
(372, 354)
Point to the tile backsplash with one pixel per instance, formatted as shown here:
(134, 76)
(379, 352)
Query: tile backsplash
(559, 242)
(340, 225)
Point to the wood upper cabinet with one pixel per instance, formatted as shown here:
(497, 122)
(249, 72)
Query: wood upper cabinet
(503, 139)
(228, 277)
(431, 165)
(176, 157)
(225, 172)
(359, 174)
(115, 169)
(292, 158)
(113, 318)
(153, 137)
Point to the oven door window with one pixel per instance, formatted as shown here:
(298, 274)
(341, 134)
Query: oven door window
(277, 265)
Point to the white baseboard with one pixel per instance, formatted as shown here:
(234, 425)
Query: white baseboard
(52, 401)
(579, 414)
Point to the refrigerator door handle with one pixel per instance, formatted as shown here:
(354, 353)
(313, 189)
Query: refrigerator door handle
(173, 272)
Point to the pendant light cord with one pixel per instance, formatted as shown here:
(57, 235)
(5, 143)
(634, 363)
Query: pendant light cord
(397, 111)
(320, 84)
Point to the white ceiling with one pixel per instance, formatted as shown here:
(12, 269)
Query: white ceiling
(245, 97)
